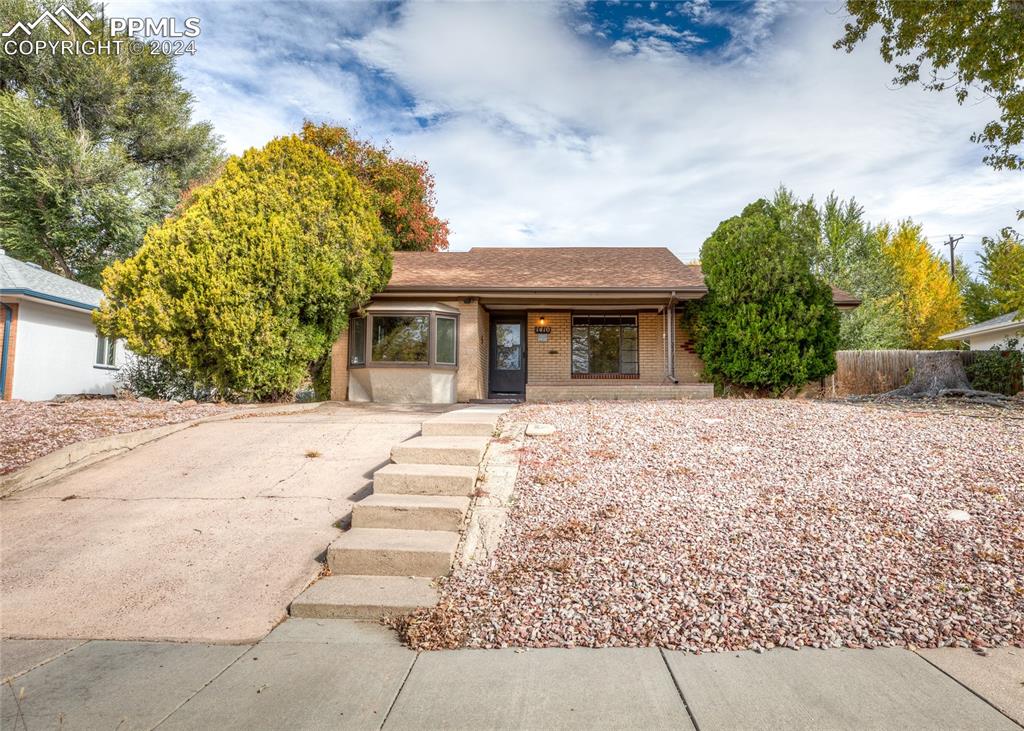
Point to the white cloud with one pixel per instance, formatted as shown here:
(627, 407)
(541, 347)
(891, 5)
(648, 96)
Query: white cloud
(543, 135)
(646, 27)
(552, 140)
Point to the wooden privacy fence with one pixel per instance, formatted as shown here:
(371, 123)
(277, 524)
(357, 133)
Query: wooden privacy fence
(876, 371)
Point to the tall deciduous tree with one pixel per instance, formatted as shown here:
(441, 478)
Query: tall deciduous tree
(997, 288)
(925, 296)
(961, 45)
(768, 321)
(251, 283)
(94, 148)
(403, 189)
(848, 255)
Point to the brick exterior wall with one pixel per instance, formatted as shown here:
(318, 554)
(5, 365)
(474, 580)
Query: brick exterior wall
(485, 351)
(617, 390)
(339, 368)
(471, 379)
(12, 340)
(550, 362)
(688, 364)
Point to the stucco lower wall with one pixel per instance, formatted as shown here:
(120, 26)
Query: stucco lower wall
(56, 354)
(402, 385)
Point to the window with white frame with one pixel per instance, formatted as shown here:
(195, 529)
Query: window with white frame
(106, 351)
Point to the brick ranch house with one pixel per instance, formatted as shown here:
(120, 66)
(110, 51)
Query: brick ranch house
(540, 324)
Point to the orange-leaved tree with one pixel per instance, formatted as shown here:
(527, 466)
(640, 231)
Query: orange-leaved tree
(403, 190)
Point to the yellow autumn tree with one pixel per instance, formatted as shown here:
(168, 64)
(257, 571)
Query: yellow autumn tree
(926, 297)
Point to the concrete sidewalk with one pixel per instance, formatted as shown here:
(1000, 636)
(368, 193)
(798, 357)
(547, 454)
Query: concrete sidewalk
(346, 674)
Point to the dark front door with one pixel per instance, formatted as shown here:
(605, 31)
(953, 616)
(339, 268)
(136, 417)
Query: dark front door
(508, 356)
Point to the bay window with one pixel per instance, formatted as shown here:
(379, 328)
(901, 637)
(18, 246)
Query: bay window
(605, 346)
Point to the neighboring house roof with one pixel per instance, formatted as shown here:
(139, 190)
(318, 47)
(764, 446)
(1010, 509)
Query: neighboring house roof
(1010, 321)
(844, 299)
(559, 268)
(29, 280)
(586, 268)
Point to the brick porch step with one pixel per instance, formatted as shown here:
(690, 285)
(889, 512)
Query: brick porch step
(597, 389)
(424, 479)
(363, 597)
(392, 552)
(410, 512)
(467, 451)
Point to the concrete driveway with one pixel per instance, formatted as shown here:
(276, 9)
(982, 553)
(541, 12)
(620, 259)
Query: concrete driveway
(206, 535)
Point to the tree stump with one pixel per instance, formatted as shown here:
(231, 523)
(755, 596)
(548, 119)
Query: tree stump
(938, 374)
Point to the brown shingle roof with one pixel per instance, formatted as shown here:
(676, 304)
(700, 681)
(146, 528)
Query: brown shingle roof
(615, 268)
(844, 299)
(584, 268)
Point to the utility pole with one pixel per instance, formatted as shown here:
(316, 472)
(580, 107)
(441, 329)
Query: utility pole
(952, 260)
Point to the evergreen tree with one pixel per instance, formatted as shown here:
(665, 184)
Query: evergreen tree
(768, 322)
(250, 284)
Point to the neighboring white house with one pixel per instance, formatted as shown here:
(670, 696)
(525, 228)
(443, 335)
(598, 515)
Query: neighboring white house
(50, 345)
(991, 332)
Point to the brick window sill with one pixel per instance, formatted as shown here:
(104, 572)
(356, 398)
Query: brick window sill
(605, 376)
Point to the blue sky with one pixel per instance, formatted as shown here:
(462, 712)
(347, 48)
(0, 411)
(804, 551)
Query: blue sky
(576, 123)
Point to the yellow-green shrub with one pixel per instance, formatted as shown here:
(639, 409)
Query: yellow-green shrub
(254, 279)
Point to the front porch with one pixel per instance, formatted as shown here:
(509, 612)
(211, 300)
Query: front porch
(396, 350)
(637, 350)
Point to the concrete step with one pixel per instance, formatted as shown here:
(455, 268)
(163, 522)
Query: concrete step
(460, 424)
(363, 597)
(392, 552)
(467, 451)
(424, 479)
(410, 512)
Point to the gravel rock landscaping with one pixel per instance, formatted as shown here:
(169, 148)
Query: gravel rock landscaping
(729, 524)
(32, 429)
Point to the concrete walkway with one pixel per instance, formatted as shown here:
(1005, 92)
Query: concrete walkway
(346, 674)
(204, 535)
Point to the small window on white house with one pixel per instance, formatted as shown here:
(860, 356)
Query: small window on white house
(106, 351)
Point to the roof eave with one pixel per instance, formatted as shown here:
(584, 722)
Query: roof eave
(968, 333)
(408, 288)
(48, 298)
